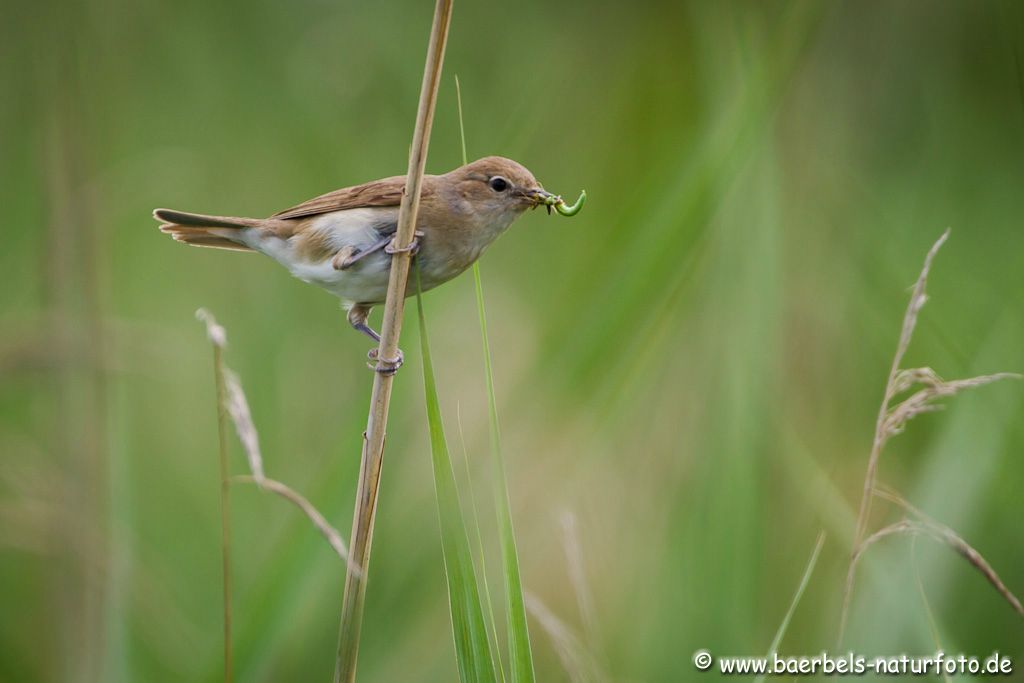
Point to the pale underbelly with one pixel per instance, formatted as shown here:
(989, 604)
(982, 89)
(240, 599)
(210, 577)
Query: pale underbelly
(366, 282)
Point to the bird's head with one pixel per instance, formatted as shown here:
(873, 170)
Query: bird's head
(498, 188)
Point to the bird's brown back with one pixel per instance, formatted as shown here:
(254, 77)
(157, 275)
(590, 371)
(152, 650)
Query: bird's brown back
(383, 192)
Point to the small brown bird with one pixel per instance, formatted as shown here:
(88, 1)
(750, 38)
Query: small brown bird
(341, 240)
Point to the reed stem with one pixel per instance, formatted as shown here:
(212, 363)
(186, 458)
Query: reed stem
(380, 398)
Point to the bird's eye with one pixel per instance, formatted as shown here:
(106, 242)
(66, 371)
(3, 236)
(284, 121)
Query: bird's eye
(498, 184)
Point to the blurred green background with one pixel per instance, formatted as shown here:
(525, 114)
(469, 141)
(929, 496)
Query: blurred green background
(691, 367)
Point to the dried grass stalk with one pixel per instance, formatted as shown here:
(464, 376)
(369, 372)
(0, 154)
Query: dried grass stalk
(299, 501)
(578, 579)
(219, 339)
(238, 409)
(577, 660)
(231, 402)
(933, 389)
(917, 301)
(237, 406)
(892, 419)
(232, 398)
(944, 534)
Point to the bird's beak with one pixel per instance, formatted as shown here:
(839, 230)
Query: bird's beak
(541, 197)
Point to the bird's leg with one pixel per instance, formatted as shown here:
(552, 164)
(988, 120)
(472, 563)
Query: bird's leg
(389, 366)
(357, 316)
(349, 256)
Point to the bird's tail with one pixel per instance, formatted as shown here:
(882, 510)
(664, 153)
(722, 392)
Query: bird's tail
(221, 232)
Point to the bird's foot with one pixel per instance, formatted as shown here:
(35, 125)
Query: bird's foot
(385, 366)
(413, 247)
(345, 258)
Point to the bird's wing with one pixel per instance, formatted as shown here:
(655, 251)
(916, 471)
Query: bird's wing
(384, 192)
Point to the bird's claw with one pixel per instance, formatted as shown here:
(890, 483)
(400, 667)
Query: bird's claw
(413, 247)
(385, 366)
(345, 258)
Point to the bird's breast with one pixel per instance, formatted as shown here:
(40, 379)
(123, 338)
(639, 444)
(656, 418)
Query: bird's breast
(449, 247)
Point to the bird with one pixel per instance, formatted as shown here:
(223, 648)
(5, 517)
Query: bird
(342, 241)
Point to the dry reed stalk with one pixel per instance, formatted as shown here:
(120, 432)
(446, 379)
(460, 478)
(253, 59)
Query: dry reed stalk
(892, 419)
(391, 327)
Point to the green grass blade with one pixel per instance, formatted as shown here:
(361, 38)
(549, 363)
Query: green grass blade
(520, 654)
(933, 628)
(472, 647)
(518, 632)
(481, 558)
(779, 634)
(489, 604)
